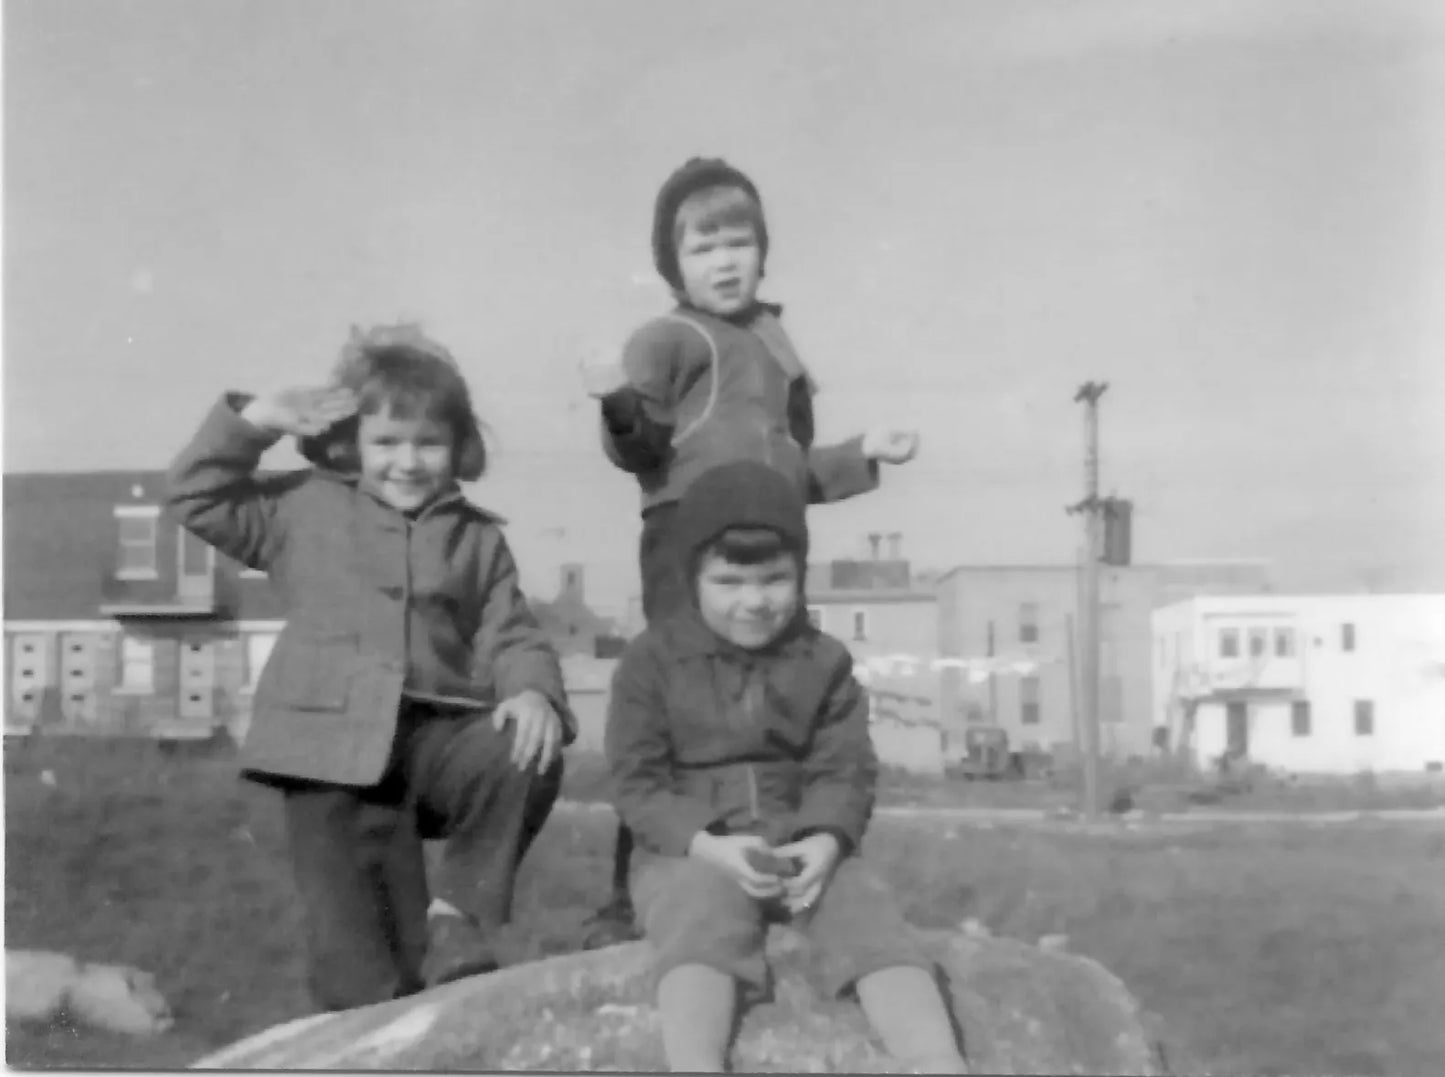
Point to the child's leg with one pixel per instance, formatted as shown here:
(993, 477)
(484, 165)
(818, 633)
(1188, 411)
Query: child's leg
(697, 1004)
(664, 590)
(665, 587)
(708, 937)
(461, 774)
(865, 943)
(343, 847)
(906, 1009)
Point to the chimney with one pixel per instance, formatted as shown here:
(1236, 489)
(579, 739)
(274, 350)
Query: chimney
(895, 546)
(874, 538)
(572, 584)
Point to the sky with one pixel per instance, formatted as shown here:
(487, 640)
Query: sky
(1232, 211)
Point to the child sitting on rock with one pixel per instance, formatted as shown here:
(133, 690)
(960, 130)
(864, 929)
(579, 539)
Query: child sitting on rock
(738, 744)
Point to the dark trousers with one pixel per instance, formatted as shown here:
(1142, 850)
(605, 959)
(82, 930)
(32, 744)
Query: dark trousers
(358, 859)
(665, 589)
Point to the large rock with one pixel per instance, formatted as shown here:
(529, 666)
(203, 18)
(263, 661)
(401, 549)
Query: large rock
(41, 985)
(1021, 1010)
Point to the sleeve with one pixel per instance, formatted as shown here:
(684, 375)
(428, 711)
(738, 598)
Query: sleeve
(510, 646)
(639, 759)
(633, 439)
(836, 472)
(637, 422)
(840, 773)
(213, 492)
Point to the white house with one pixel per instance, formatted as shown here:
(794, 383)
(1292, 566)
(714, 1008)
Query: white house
(1305, 683)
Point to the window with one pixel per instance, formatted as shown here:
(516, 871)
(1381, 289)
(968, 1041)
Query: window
(1029, 700)
(1229, 643)
(1347, 637)
(860, 626)
(1364, 718)
(1299, 717)
(1258, 642)
(198, 558)
(1028, 622)
(1283, 642)
(136, 541)
(815, 616)
(137, 664)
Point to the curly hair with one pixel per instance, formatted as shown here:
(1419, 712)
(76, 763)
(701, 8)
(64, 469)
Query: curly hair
(397, 369)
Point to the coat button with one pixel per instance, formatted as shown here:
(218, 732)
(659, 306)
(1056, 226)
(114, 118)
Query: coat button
(393, 593)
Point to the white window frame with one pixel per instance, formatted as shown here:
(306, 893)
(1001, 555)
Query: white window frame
(1230, 633)
(860, 624)
(151, 513)
(137, 655)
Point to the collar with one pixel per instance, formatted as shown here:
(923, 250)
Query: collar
(742, 318)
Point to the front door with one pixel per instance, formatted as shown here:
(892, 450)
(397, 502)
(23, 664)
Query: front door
(1237, 729)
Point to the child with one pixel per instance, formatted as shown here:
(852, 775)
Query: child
(736, 732)
(405, 625)
(713, 381)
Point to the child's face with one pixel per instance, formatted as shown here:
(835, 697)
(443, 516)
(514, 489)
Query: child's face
(408, 462)
(748, 605)
(720, 268)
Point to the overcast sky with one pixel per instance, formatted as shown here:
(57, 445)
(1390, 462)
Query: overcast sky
(1234, 212)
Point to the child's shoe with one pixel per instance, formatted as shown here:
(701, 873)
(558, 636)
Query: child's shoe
(456, 948)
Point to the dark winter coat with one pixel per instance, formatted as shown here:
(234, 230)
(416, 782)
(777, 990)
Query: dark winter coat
(704, 735)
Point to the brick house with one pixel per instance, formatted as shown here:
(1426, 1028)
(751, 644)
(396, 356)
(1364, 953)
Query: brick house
(117, 621)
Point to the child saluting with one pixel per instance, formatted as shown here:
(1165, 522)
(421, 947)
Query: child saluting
(411, 693)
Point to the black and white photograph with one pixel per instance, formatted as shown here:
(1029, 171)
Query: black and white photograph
(826, 536)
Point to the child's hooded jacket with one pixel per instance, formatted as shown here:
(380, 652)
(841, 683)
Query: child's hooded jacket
(705, 735)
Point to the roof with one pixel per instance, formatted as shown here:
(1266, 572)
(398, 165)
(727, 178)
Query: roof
(60, 545)
(865, 596)
(1174, 564)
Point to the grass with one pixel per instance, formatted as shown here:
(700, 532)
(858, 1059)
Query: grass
(1267, 949)
(1256, 790)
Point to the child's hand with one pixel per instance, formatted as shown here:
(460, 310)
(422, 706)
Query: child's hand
(817, 855)
(890, 446)
(538, 732)
(299, 411)
(729, 852)
(602, 373)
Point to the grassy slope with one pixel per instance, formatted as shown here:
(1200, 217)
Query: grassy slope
(1269, 950)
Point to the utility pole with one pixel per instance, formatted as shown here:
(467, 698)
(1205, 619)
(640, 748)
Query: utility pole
(1092, 510)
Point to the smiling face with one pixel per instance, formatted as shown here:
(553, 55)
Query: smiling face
(748, 605)
(407, 462)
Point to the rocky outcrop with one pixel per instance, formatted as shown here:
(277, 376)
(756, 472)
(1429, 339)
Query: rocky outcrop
(1020, 1010)
(41, 985)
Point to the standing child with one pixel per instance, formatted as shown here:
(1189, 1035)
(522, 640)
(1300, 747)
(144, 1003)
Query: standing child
(713, 381)
(737, 734)
(405, 626)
